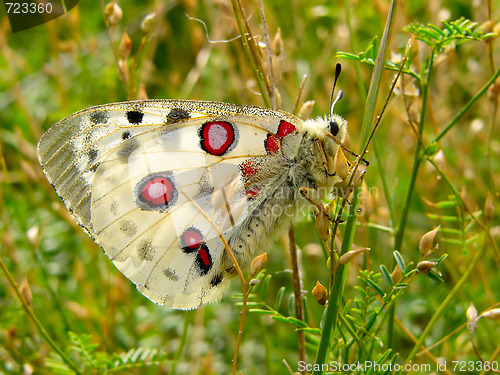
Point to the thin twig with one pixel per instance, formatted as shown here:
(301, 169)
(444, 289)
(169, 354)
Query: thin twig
(238, 271)
(133, 66)
(121, 76)
(35, 320)
(438, 314)
(272, 83)
(299, 94)
(391, 90)
(297, 288)
(365, 148)
(250, 50)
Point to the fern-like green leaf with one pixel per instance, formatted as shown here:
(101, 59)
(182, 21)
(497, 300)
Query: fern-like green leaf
(453, 33)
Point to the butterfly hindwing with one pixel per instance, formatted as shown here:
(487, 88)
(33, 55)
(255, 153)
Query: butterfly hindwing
(146, 178)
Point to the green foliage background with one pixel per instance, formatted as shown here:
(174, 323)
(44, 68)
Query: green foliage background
(95, 315)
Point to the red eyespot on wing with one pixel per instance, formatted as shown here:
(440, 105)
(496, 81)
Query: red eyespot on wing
(204, 260)
(249, 168)
(285, 128)
(218, 137)
(273, 141)
(252, 192)
(156, 191)
(190, 240)
(272, 144)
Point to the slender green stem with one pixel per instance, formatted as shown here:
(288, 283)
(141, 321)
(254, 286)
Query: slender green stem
(341, 272)
(469, 104)
(449, 298)
(354, 47)
(338, 288)
(299, 307)
(385, 185)
(238, 11)
(376, 79)
(35, 320)
(188, 320)
(352, 332)
(417, 158)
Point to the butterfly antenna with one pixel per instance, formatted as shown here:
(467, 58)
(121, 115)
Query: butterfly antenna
(333, 101)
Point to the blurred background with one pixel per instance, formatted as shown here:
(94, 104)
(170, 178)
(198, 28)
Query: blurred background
(190, 50)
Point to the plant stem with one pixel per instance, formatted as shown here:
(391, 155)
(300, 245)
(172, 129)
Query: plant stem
(338, 288)
(417, 158)
(376, 79)
(35, 320)
(189, 317)
(447, 301)
(465, 108)
(249, 50)
(299, 308)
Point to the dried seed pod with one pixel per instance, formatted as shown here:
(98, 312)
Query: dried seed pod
(320, 293)
(114, 13)
(366, 200)
(350, 255)
(148, 23)
(25, 291)
(323, 224)
(257, 263)
(306, 109)
(425, 266)
(471, 314)
(125, 46)
(493, 314)
(489, 208)
(396, 275)
(278, 43)
(425, 244)
(341, 164)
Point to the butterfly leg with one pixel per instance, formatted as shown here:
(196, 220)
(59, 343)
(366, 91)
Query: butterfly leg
(323, 157)
(341, 145)
(305, 194)
(323, 219)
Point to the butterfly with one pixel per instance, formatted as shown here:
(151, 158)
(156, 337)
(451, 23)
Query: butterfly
(155, 183)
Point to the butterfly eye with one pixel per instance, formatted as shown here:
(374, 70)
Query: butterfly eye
(334, 127)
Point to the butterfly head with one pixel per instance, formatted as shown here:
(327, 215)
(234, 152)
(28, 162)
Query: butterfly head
(334, 124)
(337, 126)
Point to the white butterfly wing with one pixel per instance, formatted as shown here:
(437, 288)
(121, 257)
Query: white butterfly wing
(145, 179)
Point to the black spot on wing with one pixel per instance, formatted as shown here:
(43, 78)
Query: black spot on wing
(135, 117)
(92, 154)
(94, 167)
(170, 274)
(126, 135)
(99, 117)
(176, 115)
(128, 228)
(216, 280)
(146, 250)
